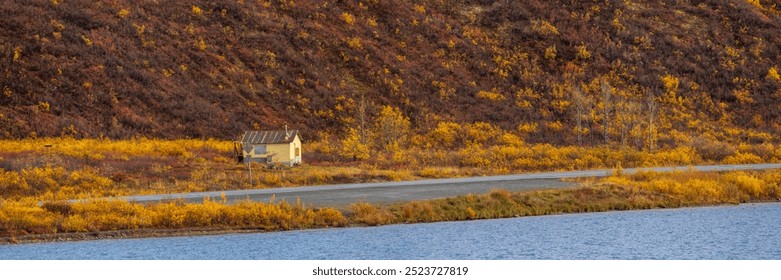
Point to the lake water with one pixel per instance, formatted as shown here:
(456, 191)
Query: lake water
(748, 231)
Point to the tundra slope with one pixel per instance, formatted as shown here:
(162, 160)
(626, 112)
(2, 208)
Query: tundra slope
(197, 68)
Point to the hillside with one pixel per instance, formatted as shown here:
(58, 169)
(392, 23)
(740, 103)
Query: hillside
(563, 72)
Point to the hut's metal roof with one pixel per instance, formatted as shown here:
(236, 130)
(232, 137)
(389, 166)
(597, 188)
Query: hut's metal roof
(269, 137)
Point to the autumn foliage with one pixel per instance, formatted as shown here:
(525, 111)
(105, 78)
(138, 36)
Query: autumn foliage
(381, 90)
(67, 168)
(644, 190)
(123, 69)
(27, 217)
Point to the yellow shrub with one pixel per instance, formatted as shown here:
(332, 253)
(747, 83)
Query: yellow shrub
(743, 158)
(750, 185)
(777, 154)
(582, 52)
(554, 125)
(397, 175)
(370, 215)
(587, 161)
(330, 217)
(526, 128)
(240, 215)
(490, 95)
(677, 156)
(703, 191)
(525, 163)
(444, 135)
(756, 3)
(168, 215)
(470, 213)
(550, 52)
(667, 186)
(44, 178)
(123, 13)
(87, 41)
(3, 217)
(17, 56)
(348, 18)
(318, 176)
(417, 211)
(12, 183)
(438, 172)
(772, 74)
(101, 215)
(201, 215)
(88, 179)
(544, 28)
(474, 155)
(670, 83)
(26, 217)
(618, 180)
(355, 43)
(420, 9)
(273, 179)
(511, 140)
(743, 96)
(481, 133)
(76, 223)
(111, 214)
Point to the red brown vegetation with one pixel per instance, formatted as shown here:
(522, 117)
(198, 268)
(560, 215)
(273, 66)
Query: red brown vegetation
(213, 68)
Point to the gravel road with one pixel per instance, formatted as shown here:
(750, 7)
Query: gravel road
(340, 196)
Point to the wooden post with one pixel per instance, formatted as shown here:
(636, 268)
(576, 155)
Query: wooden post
(249, 167)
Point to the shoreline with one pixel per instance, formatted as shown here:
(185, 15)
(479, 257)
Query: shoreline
(215, 231)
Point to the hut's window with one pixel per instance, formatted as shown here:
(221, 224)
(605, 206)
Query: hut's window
(260, 149)
(298, 152)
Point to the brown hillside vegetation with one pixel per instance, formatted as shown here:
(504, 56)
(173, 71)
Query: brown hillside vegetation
(563, 72)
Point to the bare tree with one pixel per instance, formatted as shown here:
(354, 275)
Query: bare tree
(628, 115)
(582, 105)
(607, 92)
(362, 119)
(651, 110)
